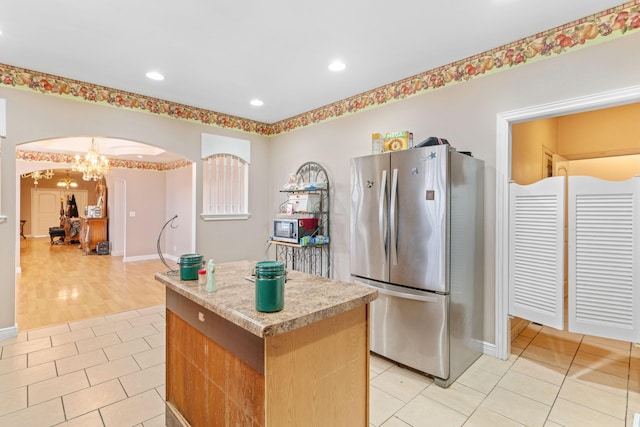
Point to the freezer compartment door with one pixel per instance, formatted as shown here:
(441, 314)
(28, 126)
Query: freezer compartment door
(418, 218)
(411, 328)
(369, 220)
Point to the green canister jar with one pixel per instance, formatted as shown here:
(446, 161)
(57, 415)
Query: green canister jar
(189, 266)
(270, 277)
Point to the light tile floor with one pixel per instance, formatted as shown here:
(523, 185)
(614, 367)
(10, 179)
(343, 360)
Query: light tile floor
(109, 371)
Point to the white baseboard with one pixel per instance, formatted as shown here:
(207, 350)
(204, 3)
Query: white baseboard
(489, 349)
(8, 332)
(171, 257)
(147, 257)
(140, 258)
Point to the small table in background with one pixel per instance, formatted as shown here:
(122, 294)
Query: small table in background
(22, 221)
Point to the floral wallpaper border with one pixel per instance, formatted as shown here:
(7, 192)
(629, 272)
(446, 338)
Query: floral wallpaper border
(608, 24)
(40, 156)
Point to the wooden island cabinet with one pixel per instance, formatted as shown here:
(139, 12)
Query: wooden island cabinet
(229, 365)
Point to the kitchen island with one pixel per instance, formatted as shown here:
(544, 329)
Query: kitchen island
(228, 364)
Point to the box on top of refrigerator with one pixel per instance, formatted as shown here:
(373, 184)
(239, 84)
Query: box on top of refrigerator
(396, 141)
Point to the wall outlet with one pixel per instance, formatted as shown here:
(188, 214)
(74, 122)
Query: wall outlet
(132, 213)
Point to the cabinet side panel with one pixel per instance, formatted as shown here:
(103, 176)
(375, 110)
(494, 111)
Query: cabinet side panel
(318, 375)
(206, 383)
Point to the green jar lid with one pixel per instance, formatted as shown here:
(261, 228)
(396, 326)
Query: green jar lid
(269, 268)
(190, 259)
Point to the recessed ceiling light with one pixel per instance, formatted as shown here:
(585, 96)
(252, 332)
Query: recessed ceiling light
(337, 66)
(154, 75)
(256, 102)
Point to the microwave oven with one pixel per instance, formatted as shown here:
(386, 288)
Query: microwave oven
(292, 229)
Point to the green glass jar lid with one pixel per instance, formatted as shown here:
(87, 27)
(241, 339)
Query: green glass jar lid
(269, 268)
(190, 259)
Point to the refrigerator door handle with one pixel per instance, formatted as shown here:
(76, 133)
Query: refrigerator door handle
(382, 218)
(393, 241)
(414, 297)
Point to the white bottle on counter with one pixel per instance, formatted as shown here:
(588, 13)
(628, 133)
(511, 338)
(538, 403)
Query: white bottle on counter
(211, 276)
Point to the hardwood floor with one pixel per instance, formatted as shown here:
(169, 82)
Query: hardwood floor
(60, 284)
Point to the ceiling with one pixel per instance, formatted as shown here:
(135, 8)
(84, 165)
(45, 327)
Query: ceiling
(220, 55)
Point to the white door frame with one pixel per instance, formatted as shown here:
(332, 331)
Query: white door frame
(503, 176)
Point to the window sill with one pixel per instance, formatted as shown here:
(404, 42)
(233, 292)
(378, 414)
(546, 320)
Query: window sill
(224, 217)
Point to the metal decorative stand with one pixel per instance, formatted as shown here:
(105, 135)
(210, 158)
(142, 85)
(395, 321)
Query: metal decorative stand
(313, 259)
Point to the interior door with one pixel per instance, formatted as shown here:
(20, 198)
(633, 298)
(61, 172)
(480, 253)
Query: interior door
(536, 258)
(604, 257)
(45, 205)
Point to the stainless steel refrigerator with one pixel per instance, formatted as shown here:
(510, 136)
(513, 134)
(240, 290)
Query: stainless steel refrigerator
(417, 237)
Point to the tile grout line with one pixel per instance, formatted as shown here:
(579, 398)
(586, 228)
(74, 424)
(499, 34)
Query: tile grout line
(564, 378)
(489, 392)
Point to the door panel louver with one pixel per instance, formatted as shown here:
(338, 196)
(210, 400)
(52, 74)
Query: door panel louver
(536, 260)
(603, 252)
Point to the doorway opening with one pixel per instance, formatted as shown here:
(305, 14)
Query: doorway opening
(504, 174)
(137, 204)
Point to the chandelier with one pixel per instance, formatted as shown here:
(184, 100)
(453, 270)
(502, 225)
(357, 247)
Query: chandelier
(37, 175)
(93, 166)
(67, 182)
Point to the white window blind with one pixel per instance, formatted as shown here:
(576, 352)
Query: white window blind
(227, 178)
(225, 175)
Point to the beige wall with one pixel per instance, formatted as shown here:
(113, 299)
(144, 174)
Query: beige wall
(611, 131)
(617, 168)
(145, 197)
(529, 140)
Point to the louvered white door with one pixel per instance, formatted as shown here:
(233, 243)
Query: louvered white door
(604, 258)
(536, 259)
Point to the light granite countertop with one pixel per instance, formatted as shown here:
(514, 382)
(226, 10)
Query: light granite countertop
(307, 298)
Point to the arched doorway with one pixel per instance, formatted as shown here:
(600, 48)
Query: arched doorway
(137, 203)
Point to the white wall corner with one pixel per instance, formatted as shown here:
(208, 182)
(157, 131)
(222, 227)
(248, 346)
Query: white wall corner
(489, 349)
